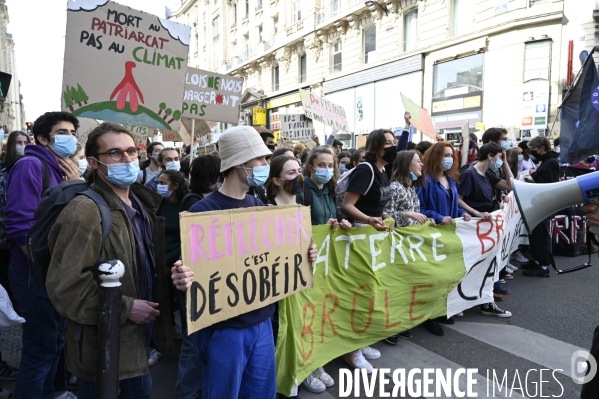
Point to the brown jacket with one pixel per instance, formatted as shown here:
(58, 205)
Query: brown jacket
(73, 285)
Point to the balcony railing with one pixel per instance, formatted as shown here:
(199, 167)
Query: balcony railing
(234, 25)
(216, 37)
(335, 8)
(245, 17)
(259, 6)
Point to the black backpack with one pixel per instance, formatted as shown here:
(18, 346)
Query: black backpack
(46, 214)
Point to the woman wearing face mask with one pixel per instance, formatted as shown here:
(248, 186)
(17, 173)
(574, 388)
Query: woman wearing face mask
(356, 158)
(343, 160)
(15, 148)
(527, 162)
(404, 205)
(365, 205)
(79, 158)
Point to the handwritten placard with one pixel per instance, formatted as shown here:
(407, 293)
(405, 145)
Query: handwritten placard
(212, 96)
(322, 110)
(123, 65)
(297, 127)
(244, 259)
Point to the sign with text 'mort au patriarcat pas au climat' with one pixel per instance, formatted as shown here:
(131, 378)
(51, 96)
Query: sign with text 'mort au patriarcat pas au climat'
(124, 65)
(244, 259)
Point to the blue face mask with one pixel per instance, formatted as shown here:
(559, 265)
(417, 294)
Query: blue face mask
(496, 164)
(154, 158)
(505, 144)
(64, 145)
(162, 189)
(260, 175)
(122, 174)
(413, 176)
(82, 166)
(446, 164)
(520, 158)
(323, 175)
(342, 169)
(173, 165)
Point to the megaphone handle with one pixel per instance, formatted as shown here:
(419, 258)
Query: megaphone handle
(595, 229)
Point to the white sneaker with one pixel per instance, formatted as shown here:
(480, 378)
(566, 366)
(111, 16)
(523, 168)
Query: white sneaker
(518, 257)
(370, 353)
(513, 267)
(73, 380)
(356, 360)
(461, 314)
(153, 357)
(322, 375)
(509, 270)
(313, 384)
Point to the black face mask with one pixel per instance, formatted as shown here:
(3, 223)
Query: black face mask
(270, 147)
(390, 154)
(294, 186)
(534, 154)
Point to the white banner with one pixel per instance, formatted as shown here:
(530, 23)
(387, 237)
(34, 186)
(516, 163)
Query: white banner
(487, 245)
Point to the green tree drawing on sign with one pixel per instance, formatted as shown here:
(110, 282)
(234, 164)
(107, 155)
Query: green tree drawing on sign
(82, 94)
(162, 106)
(68, 102)
(167, 112)
(75, 96)
(176, 117)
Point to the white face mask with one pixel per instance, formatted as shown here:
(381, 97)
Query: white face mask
(20, 149)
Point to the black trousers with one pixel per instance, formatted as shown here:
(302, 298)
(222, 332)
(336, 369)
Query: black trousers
(540, 243)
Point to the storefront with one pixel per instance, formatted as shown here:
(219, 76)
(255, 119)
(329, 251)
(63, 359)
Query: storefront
(457, 95)
(289, 103)
(371, 97)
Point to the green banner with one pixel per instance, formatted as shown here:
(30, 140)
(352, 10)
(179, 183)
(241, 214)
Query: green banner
(368, 285)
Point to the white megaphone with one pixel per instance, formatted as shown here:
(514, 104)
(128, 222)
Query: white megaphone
(538, 201)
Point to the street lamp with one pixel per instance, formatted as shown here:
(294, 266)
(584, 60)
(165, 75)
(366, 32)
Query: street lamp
(381, 6)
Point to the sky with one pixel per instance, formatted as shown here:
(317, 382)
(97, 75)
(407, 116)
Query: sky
(38, 28)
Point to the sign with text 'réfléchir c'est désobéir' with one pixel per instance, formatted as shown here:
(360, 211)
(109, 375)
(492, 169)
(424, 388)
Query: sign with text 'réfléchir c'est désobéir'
(244, 259)
(324, 111)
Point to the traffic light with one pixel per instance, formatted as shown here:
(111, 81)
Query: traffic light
(29, 128)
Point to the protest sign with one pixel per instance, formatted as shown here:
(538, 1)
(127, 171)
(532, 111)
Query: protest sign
(201, 127)
(324, 111)
(123, 65)
(420, 117)
(86, 125)
(369, 285)
(297, 127)
(244, 259)
(141, 134)
(212, 96)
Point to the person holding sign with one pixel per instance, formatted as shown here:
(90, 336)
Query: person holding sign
(238, 353)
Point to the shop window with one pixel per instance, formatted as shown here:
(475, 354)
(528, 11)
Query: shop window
(275, 78)
(369, 44)
(537, 59)
(462, 17)
(410, 30)
(302, 69)
(337, 56)
(464, 72)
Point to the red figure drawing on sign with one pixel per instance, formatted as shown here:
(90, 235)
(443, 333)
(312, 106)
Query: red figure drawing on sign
(127, 86)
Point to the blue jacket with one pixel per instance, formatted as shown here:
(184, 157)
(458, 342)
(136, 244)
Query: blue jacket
(24, 193)
(435, 202)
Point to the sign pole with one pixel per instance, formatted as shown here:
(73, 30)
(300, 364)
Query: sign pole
(193, 137)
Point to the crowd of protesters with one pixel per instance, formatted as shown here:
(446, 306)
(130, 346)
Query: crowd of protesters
(389, 178)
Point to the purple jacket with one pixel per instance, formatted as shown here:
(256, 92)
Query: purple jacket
(24, 193)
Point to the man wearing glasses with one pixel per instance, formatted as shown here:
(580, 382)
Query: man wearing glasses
(137, 240)
(44, 165)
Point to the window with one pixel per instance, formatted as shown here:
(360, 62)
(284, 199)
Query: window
(247, 9)
(537, 56)
(462, 16)
(234, 15)
(233, 50)
(337, 56)
(260, 34)
(297, 11)
(246, 46)
(196, 44)
(466, 72)
(369, 44)
(410, 29)
(532, 3)
(215, 30)
(205, 37)
(194, 15)
(335, 7)
(275, 78)
(275, 24)
(259, 5)
(302, 68)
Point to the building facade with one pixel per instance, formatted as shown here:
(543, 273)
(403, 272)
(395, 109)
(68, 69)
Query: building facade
(489, 62)
(12, 111)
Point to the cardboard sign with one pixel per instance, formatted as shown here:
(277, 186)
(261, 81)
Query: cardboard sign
(322, 110)
(140, 136)
(123, 65)
(86, 126)
(420, 117)
(244, 259)
(201, 127)
(297, 127)
(212, 96)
